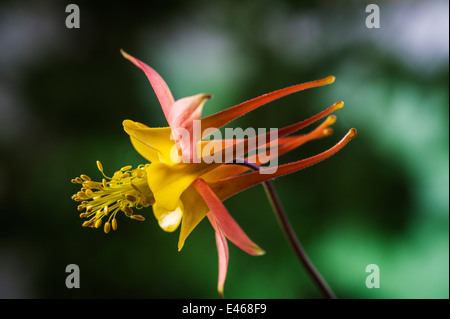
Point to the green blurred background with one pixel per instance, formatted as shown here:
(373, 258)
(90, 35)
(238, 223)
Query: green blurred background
(383, 199)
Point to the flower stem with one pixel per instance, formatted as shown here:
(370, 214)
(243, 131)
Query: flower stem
(290, 235)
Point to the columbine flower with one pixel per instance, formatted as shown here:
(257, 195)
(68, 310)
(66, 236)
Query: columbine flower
(184, 192)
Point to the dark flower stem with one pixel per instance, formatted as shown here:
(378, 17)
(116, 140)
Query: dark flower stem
(290, 235)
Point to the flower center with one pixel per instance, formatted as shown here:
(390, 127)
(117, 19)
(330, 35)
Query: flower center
(125, 190)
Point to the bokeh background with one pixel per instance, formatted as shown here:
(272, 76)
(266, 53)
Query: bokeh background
(382, 200)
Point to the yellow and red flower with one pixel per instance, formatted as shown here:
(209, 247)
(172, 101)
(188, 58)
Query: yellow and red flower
(184, 186)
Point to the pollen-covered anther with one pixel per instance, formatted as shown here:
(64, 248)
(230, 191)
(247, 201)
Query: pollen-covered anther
(98, 223)
(99, 214)
(90, 185)
(138, 217)
(135, 188)
(100, 166)
(130, 198)
(114, 224)
(117, 175)
(85, 177)
(127, 210)
(127, 189)
(139, 173)
(107, 227)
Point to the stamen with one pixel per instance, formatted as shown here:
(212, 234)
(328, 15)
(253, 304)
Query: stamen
(85, 177)
(138, 217)
(127, 210)
(140, 173)
(114, 224)
(98, 223)
(90, 185)
(135, 188)
(130, 198)
(107, 227)
(100, 166)
(81, 194)
(86, 223)
(127, 189)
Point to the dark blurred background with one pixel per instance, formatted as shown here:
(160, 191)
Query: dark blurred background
(384, 199)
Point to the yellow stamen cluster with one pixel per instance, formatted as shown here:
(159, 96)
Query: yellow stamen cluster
(125, 190)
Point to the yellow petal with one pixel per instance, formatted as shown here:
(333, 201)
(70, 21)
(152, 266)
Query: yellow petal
(194, 210)
(147, 152)
(168, 220)
(169, 181)
(148, 140)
